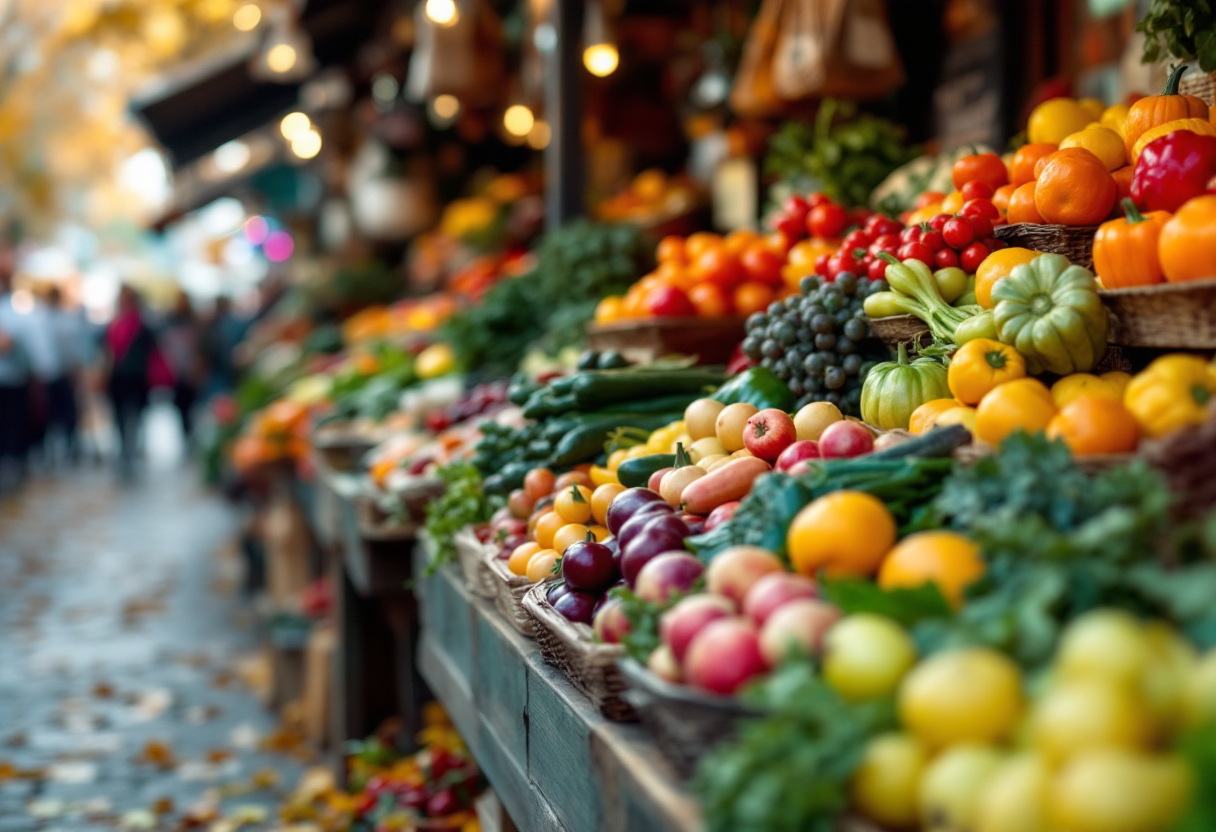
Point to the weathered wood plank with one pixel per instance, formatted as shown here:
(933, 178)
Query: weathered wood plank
(500, 685)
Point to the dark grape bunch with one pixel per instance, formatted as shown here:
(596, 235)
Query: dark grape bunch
(819, 342)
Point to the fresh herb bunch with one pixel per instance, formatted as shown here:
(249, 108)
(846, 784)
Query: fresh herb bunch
(464, 503)
(643, 618)
(576, 267)
(846, 160)
(1184, 30)
(376, 394)
(789, 770)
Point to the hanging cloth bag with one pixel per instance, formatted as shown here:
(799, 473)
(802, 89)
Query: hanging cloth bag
(835, 48)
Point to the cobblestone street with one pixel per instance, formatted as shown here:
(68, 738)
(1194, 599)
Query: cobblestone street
(124, 655)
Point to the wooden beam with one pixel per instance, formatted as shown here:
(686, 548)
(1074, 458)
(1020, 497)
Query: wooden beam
(564, 112)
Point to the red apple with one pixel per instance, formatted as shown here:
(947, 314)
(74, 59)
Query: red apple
(681, 623)
(663, 664)
(844, 440)
(611, 625)
(795, 453)
(656, 478)
(797, 628)
(776, 590)
(803, 467)
(667, 574)
(721, 514)
(724, 656)
(768, 433)
(733, 571)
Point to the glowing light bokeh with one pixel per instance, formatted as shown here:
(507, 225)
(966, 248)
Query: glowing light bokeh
(256, 230)
(278, 247)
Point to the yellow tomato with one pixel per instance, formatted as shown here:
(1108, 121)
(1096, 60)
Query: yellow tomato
(1052, 120)
(1103, 142)
(960, 415)
(637, 451)
(928, 212)
(616, 458)
(995, 266)
(434, 361)
(925, 416)
(1094, 106)
(846, 533)
(601, 475)
(573, 504)
(518, 562)
(609, 309)
(883, 788)
(981, 365)
(1118, 378)
(1081, 384)
(540, 566)
(945, 558)
(1021, 404)
(1114, 117)
(602, 498)
(952, 203)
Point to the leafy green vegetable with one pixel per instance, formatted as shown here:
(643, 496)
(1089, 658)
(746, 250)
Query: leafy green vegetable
(1198, 749)
(757, 386)
(1184, 30)
(463, 503)
(788, 771)
(906, 606)
(846, 160)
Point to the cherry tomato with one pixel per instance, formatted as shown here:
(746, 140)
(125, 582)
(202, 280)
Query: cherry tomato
(762, 264)
(972, 256)
(958, 233)
(877, 270)
(994, 243)
(843, 261)
(981, 226)
(939, 221)
(915, 251)
(669, 302)
(859, 216)
(827, 220)
(821, 264)
(911, 234)
(867, 259)
(977, 189)
(856, 239)
(789, 226)
(980, 207)
(816, 199)
(945, 258)
(887, 242)
(928, 198)
(933, 240)
(796, 206)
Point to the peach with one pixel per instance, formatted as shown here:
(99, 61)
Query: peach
(733, 571)
(775, 590)
(797, 628)
(724, 656)
(667, 574)
(680, 624)
(610, 624)
(663, 664)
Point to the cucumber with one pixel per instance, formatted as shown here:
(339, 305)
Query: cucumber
(598, 390)
(636, 472)
(544, 404)
(661, 404)
(520, 393)
(587, 441)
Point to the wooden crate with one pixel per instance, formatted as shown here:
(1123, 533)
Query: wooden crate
(713, 340)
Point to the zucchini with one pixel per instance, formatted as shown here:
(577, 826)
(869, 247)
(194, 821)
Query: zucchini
(941, 441)
(662, 404)
(544, 404)
(636, 472)
(587, 440)
(598, 390)
(520, 393)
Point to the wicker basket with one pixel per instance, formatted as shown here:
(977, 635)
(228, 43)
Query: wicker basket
(1199, 84)
(341, 450)
(686, 723)
(1168, 315)
(1074, 242)
(509, 592)
(900, 329)
(472, 554)
(713, 340)
(569, 647)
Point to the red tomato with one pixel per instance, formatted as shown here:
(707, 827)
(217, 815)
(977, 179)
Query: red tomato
(762, 264)
(972, 256)
(939, 221)
(821, 264)
(889, 243)
(984, 167)
(945, 258)
(911, 234)
(877, 270)
(958, 233)
(856, 239)
(827, 220)
(878, 225)
(933, 241)
(981, 226)
(710, 301)
(977, 190)
(994, 243)
(980, 208)
(720, 267)
(816, 199)
(915, 251)
(796, 207)
(669, 302)
(928, 198)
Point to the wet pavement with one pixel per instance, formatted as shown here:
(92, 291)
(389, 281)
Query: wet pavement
(127, 658)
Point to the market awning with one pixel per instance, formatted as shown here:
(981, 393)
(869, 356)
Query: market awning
(205, 106)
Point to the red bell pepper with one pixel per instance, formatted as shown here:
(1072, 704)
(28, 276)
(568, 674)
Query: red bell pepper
(1172, 170)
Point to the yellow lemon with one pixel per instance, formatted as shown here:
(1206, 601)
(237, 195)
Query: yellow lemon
(1094, 106)
(1114, 117)
(1056, 119)
(1103, 142)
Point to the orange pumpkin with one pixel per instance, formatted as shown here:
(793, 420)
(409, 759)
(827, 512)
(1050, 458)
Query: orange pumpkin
(1074, 189)
(1021, 206)
(1152, 110)
(1021, 170)
(1125, 250)
(1187, 247)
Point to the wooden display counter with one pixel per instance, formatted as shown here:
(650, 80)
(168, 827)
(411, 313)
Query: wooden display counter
(552, 759)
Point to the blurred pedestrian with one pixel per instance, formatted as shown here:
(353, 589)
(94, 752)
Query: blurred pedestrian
(182, 340)
(71, 335)
(46, 368)
(136, 365)
(14, 380)
(223, 332)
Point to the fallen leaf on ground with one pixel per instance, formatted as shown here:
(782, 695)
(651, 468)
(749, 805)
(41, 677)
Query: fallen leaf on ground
(157, 753)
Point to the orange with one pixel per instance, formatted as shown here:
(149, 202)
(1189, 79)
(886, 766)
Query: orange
(671, 250)
(609, 309)
(1001, 198)
(753, 297)
(547, 527)
(924, 416)
(1075, 189)
(1021, 404)
(1095, 424)
(573, 504)
(567, 535)
(518, 562)
(1123, 184)
(762, 264)
(1021, 170)
(601, 498)
(699, 243)
(711, 301)
(540, 566)
(997, 265)
(980, 167)
(1068, 151)
(1021, 206)
(1076, 385)
(741, 239)
(778, 242)
(720, 267)
(844, 534)
(945, 558)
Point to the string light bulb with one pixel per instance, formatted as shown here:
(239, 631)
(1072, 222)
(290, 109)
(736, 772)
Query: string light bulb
(600, 55)
(281, 58)
(247, 17)
(518, 120)
(293, 125)
(601, 59)
(442, 12)
(308, 144)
